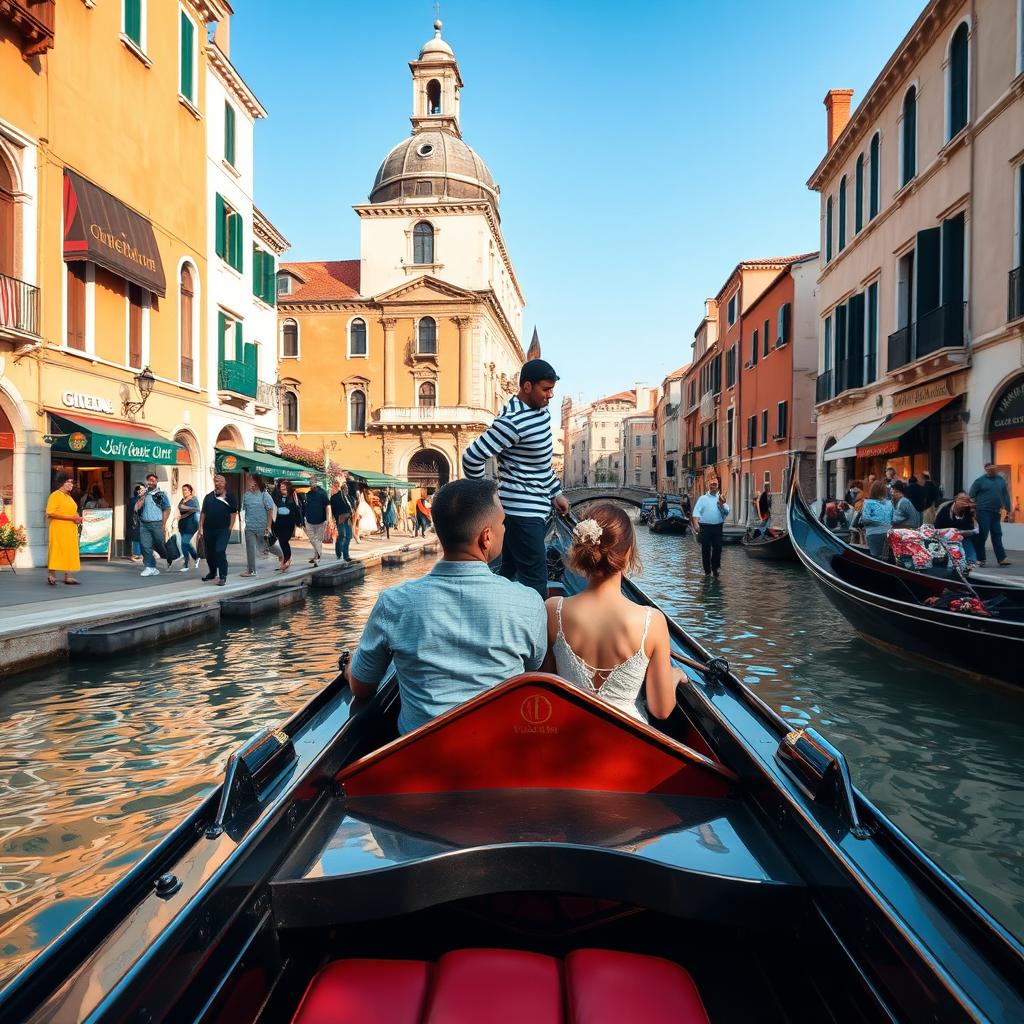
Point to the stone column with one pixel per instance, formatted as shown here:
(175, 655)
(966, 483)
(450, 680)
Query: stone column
(465, 326)
(390, 358)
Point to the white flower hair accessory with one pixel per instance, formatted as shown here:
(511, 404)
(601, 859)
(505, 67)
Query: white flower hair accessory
(588, 532)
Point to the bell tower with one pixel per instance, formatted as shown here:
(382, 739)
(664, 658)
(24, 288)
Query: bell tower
(436, 83)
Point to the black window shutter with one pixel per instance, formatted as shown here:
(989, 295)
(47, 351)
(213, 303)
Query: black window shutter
(958, 61)
(909, 136)
(953, 260)
(855, 341)
(927, 264)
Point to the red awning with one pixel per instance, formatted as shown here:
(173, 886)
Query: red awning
(103, 230)
(885, 438)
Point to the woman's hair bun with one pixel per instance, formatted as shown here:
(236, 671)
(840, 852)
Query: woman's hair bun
(603, 543)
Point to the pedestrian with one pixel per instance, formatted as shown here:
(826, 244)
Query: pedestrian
(257, 518)
(341, 511)
(314, 511)
(411, 514)
(959, 514)
(402, 513)
(388, 516)
(853, 492)
(708, 516)
(424, 516)
(375, 498)
(520, 439)
(763, 508)
(876, 517)
(287, 520)
(366, 520)
(905, 515)
(188, 525)
(686, 507)
(890, 476)
(916, 494)
(153, 508)
(95, 499)
(63, 517)
(216, 521)
(932, 491)
(131, 523)
(991, 496)
(662, 506)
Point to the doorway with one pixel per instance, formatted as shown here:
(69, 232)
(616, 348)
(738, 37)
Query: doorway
(428, 469)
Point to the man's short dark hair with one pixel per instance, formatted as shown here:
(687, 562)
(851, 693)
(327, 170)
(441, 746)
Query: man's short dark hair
(899, 485)
(460, 510)
(153, 476)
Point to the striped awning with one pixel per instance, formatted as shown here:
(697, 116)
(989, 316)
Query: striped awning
(885, 439)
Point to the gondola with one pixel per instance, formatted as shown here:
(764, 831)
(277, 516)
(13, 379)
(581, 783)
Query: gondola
(533, 855)
(674, 522)
(886, 604)
(772, 546)
(648, 509)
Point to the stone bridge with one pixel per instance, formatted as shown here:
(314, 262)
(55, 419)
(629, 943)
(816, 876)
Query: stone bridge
(605, 492)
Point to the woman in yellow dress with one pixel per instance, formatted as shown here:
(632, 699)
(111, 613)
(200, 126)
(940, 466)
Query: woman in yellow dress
(62, 513)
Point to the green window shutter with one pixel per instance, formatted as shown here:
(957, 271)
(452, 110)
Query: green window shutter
(188, 44)
(257, 269)
(236, 226)
(133, 21)
(239, 342)
(229, 133)
(222, 326)
(270, 280)
(221, 244)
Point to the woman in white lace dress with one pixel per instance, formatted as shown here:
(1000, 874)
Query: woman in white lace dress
(599, 640)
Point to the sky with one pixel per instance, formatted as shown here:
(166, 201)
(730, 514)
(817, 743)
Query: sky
(642, 150)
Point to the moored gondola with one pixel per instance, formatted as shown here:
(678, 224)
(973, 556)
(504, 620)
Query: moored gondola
(771, 545)
(908, 611)
(674, 522)
(533, 855)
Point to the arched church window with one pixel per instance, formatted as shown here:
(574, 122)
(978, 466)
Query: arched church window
(357, 337)
(426, 340)
(428, 395)
(290, 412)
(423, 243)
(357, 411)
(433, 96)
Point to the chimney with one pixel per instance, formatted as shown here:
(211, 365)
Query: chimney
(837, 104)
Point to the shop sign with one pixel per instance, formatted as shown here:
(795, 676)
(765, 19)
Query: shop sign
(264, 444)
(229, 463)
(93, 403)
(77, 441)
(1008, 414)
(133, 451)
(933, 392)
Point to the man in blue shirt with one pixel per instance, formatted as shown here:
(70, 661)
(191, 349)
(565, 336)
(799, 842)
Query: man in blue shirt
(990, 496)
(707, 517)
(460, 629)
(152, 508)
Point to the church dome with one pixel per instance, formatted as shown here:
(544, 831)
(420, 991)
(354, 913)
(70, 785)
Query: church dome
(436, 48)
(433, 164)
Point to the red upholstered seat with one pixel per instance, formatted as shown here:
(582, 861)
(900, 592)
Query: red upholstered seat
(366, 992)
(496, 986)
(606, 987)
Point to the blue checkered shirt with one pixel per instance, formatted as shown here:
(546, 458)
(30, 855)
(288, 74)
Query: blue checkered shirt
(452, 634)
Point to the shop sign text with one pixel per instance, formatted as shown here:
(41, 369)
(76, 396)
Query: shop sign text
(92, 403)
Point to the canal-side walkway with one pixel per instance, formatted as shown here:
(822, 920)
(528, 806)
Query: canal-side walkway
(36, 618)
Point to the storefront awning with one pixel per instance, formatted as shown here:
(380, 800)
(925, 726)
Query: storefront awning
(846, 446)
(379, 479)
(885, 439)
(108, 439)
(102, 230)
(237, 460)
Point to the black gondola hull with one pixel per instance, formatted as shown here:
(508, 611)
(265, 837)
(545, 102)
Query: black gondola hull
(771, 549)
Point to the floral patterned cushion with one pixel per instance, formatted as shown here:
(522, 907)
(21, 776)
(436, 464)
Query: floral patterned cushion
(928, 548)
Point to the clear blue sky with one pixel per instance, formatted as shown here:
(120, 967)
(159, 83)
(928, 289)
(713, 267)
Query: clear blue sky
(642, 150)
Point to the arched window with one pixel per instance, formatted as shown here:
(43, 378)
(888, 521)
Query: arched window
(842, 213)
(956, 79)
(186, 293)
(357, 411)
(423, 243)
(909, 154)
(426, 338)
(357, 337)
(7, 191)
(874, 176)
(427, 395)
(858, 196)
(828, 229)
(289, 340)
(290, 412)
(433, 96)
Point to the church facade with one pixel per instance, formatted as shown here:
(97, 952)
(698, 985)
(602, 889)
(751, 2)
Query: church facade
(395, 362)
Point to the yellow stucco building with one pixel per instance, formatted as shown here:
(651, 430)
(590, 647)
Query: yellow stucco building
(396, 361)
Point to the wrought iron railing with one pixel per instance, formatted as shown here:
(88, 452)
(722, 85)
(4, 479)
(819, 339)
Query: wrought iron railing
(1016, 300)
(942, 327)
(19, 305)
(266, 395)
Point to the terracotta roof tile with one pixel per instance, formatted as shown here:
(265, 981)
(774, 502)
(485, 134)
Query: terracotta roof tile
(676, 374)
(322, 280)
(619, 396)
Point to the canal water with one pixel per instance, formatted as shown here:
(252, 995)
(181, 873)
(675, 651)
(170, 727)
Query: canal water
(99, 761)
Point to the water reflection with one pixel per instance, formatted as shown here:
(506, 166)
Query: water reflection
(940, 755)
(99, 760)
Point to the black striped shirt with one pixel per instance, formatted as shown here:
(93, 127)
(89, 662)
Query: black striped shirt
(520, 438)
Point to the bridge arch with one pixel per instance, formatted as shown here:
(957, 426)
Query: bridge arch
(627, 495)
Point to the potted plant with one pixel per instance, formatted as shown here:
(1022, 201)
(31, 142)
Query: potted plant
(12, 539)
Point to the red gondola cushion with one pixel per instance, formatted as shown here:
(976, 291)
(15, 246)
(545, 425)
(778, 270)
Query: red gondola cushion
(606, 987)
(496, 986)
(364, 991)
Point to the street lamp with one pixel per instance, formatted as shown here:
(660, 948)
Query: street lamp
(144, 381)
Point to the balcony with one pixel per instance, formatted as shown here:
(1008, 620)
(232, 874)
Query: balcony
(237, 379)
(33, 21)
(398, 417)
(942, 327)
(824, 389)
(19, 307)
(1016, 303)
(266, 397)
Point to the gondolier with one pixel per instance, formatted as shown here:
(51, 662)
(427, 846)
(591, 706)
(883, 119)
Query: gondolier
(520, 439)
(708, 516)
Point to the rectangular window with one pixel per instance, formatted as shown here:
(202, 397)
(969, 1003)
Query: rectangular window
(764, 340)
(187, 54)
(76, 306)
(636, 461)
(636, 441)
(732, 308)
(871, 336)
(229, 133)
(753, 349)
(764, 426)
(783, 424)
(783, 325)
(729, 431)
(136, 300)
(827, 346)
(131, 21)
(751, 431)
(228, 241)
